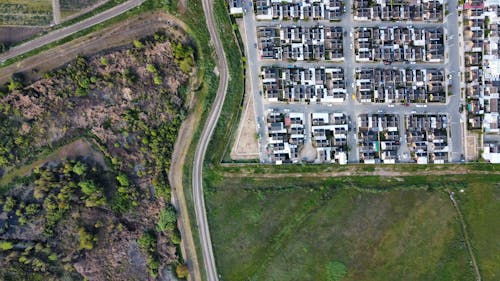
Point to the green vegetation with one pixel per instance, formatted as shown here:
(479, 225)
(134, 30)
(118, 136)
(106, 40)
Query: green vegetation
(335, 271)
(379, 228)
(148, 244)
(148, 5)
(102, 202)
(480, 205)
(25, 12)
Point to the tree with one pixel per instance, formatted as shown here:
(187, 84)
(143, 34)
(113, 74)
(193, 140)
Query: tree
(9, 205)
(167, 220)
(182, 271)
(79, 168)
(86, 239)
(336, 271)
(123, 180)
(6, 245)
(138, 44)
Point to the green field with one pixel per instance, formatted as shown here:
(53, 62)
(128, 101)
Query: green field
(481, 208)
(71, 7)
(299, 229)
(25, 12)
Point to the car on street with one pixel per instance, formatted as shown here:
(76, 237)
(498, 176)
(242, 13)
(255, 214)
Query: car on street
(390, 105)
(421, 105)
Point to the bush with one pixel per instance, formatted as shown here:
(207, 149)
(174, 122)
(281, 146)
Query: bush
(167, 220)
(6, 245)
(335, 271)
(86, 239)
(182, 271)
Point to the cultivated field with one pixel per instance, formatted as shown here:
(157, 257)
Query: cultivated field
(72, 7)
(26, 12)
(309, 228)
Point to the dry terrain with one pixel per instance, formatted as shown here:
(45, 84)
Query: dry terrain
(113, 36)
(89, 217)
(10, 35)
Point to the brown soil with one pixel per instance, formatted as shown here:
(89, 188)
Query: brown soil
(56, 112)
(116, 35)
(14, 34)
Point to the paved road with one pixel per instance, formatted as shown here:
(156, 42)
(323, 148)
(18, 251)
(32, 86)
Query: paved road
(66, 31)
(206, 134)
(352, 107)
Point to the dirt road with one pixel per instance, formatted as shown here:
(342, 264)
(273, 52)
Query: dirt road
(466, 236)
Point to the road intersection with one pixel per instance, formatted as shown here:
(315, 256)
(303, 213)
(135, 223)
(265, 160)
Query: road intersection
(352, 107)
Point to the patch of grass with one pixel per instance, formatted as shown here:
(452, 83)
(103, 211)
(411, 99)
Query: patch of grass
(480, 205)
(25, 12)
(379, 228)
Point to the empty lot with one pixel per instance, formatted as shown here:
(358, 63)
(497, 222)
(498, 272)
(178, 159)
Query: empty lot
(294, 229)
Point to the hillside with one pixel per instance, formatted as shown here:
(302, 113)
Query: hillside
(102, 212)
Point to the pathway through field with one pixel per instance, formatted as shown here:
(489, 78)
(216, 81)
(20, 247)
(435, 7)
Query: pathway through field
(466, 236)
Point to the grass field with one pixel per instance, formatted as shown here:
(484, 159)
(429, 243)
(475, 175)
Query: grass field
(25, 12)
(481, 208)
(296, 230)
(72, 7)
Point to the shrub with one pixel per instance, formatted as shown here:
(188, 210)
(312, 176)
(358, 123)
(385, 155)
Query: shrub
(182, 271)
(6, 245)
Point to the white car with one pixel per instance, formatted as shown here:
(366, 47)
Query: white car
(421, 105)
(390, 105)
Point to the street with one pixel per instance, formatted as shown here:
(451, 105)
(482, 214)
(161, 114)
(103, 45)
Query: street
(67, 31)
(352, 107)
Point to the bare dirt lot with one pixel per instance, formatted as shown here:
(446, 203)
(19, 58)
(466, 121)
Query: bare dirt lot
(110, 37)
(13, 34)
(246, 144)
(472, 146)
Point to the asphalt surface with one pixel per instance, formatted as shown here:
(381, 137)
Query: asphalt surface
(206, 134)
(66, 31)
(352, 107)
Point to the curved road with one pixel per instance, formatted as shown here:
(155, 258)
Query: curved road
(199, 201)
(66, 31)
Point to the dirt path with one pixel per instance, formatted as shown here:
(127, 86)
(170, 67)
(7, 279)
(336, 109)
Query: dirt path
(56, 12)
(352, 171)
(113, 36)
(466, 236)
(175, 175)
(246, 145)
(78, 148)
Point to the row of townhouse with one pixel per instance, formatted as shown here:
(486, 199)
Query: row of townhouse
(427, 137)
(384, 85)
(303, 84)
(399, 44)
(399, 10)
(299, 43)
(329, 137)
(285, 136)
(482, 61)
(299, 9)
(378, 138)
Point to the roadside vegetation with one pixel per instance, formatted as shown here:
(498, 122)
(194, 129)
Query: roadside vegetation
(113, 218)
